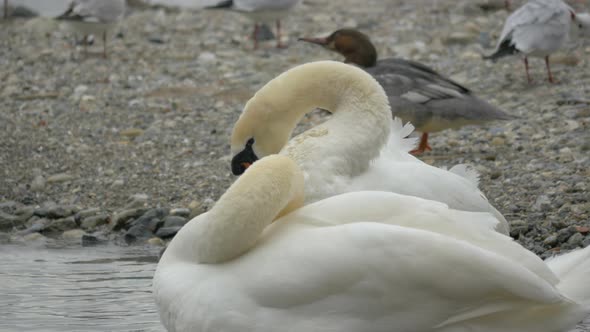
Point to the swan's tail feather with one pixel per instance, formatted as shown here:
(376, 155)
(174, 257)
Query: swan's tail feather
(573, 271)
(398, 139)
(467, 172)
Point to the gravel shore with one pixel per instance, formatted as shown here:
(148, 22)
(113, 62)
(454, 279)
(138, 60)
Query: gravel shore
(146, 131)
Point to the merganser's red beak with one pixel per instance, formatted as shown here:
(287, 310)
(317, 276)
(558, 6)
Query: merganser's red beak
(319, 41)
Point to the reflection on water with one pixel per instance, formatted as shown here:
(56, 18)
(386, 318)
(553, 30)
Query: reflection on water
(81, 289)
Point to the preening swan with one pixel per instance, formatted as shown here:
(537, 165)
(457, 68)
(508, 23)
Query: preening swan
(350, 151)
(362, 261)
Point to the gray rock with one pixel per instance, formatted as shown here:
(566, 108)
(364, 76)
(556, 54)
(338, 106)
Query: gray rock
(9, 221)
(87, 213)
(575, 240)
(136, 233)
(91, 240)
(58, 226)
(543, 204)
(56, 211)
(550, 241)
(564, 234)
(59, 178)
(90, 223)
(174, 221)
(167, 232)
(136, 201)
(120, 219)
(152, 219)
(180, 212)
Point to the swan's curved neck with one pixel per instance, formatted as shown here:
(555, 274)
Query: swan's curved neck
(361, 114)
(269, 189)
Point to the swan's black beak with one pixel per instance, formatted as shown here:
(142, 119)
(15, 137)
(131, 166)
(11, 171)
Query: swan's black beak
(241, 161)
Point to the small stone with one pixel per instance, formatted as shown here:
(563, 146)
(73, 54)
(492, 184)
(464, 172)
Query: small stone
(575, 240)
(87, 103)
(550, 241)
(498, 141)
(91, 240)
(459, 38)
(38, 183)
(73, 234)
(58, 178)
(56, 211)
(196, 208)
(583, 229)
(180, 212)
(167, 232)
(33, 237)
(207, 58)
(131, 132)
(136, 201)
(565, 234)
(90, 223)
(79, 92)
(174, 221)
(543, 203)
(87, 213)
(156, 241)
(120, 219)
(60, 225)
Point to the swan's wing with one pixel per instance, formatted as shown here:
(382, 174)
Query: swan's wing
(394, 209)
(371, 276)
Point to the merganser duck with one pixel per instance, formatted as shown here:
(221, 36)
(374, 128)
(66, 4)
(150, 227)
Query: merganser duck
(417, 93)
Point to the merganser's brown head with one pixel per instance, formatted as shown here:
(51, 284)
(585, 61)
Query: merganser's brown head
(355, 46)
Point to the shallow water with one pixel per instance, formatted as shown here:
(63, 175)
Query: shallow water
(82, 289)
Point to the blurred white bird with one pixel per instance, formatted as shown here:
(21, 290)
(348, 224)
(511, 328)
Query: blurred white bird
(94, 17)
(538, 28)
(261, 11)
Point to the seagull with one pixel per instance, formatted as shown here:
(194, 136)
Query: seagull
(261, 11)
(94, 17)
(538, 28)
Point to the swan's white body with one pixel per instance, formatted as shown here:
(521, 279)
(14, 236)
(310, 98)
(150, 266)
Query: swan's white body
(354, 150)
(364, 261)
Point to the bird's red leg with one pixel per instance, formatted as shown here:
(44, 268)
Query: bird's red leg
(5, 9)
(255, 36)
(507, 4)
(279, 43)
(526, 68)
(549, 70)
(104, 44)
(423, 145)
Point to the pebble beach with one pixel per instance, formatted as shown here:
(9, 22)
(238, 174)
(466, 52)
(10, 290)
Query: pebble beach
(127, 149)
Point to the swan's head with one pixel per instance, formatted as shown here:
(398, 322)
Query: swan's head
(257, 134)
(269, 118)
(355, 46)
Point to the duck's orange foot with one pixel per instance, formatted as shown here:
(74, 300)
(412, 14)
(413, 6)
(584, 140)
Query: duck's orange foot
(423, 146)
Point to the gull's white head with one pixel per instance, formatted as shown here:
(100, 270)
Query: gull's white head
(582, 20)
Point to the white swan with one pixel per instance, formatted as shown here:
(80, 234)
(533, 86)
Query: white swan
(363, 261)
(349, 151)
